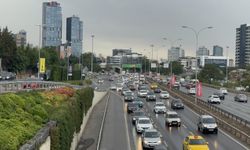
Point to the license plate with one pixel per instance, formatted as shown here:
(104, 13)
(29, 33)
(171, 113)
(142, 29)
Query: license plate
(210, 129)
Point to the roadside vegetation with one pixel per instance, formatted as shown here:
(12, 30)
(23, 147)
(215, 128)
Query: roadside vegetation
(23, 114)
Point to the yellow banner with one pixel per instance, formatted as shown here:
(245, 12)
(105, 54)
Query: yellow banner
(42, 65)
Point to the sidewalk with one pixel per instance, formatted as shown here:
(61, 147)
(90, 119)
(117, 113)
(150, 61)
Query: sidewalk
(88, 140)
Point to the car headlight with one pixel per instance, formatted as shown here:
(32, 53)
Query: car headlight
(159, 142)
(146, 142)
(205, 126)
(126, 97)
(132, 97)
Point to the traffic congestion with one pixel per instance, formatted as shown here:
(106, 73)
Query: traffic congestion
(157, 120)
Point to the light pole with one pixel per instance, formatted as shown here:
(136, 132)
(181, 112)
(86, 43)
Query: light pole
(145, 59)
(152, 46)
(171, 45)
(39, 49)
(92, 37)
(196, 32)
(227, 65)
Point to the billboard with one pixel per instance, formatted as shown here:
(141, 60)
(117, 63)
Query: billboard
(42, 65)
(129, 66)
(153, 65)
(166, 65)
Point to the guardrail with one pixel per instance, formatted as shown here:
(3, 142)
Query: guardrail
(227, 121)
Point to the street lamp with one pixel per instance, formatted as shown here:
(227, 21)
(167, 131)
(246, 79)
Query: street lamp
(152, 46)
(196, 32)
(172, 44)
(227, 65)
(145, 59)
(39, 48)
(92, 36)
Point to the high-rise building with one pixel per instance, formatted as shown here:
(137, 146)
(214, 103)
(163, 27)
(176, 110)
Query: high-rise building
(242, 53)
(74, 34)
(21, 38)
(51, 24)
(202, 51)
(174, 53)
(217, 50)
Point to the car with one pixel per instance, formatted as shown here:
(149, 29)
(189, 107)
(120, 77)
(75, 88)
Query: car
(214, 99)
(177, 104)
(128, 96)
(157, 90)
(220, 94)
(192, 91)
(136, 115)
(113, 87)
(111, 79)
(176, 85)
(119, 87)
(124, 90)
(153, 86)
(143, 123)
(172, 119)
(160, 107)
(151, 96)
(164, 95)
(190, 85)
(195, 142)
(151, 138)
(100, 81)
(142, 93)
(139, 102)
(207, 123)
(132, 108)
(241, 98)
(131, 87)
(142, 87)
(223, 91)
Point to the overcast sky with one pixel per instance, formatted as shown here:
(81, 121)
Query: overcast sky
(137, 24)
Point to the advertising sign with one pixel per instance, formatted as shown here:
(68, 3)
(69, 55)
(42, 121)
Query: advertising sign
(42, 65)
(165, 65)
(199, 89)
(153, 65)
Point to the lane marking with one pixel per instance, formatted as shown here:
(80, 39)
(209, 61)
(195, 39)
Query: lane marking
(184, 126)
(191, 133)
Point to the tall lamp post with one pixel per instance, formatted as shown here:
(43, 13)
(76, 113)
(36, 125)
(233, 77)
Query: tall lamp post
(152, 46)
(227, 65)
(92, 59)
(145, 59)
(39, 47)
(171, 44)
(196, 32)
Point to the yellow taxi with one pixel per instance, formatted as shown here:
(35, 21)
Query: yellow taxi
(195, 142)
(153, 86)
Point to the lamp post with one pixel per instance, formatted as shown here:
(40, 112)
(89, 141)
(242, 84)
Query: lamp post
(145, 59)
(227, 65)
(92, 59)
(152, 46)
(171, 44)
(39, 51)
(196, 32)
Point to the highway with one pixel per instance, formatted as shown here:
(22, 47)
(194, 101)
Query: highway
(172, 136)
(238, 108)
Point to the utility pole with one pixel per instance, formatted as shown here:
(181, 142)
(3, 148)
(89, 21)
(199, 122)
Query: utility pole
(92, 59)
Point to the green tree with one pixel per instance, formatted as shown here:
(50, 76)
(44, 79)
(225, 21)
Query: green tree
(177, 68)
(211, 71)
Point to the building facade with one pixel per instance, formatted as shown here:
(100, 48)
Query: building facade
(202, 51)
(51, 24)
(74, 34)
(121, 52)
(217, 51)
(242, 53)
(21, 38)
(188, 62)
(220, 61)
(174, 53)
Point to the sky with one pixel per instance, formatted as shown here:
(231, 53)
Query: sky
(137, 24)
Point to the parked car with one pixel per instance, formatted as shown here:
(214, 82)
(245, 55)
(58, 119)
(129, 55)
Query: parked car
(143, 123)
(177, 104)
(241, 98)
(214, 99)
(207, 123)
(150, 96)
(132, 108)
(172, 119)
(151, 138)
(164, 94)
(220, 94)
(160, 107)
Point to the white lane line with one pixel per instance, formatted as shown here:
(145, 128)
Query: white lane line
(165, 144)
(184, 126)
(236, 141)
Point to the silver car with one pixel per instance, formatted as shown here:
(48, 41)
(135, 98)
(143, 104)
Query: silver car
(241, 98)
(151, 138)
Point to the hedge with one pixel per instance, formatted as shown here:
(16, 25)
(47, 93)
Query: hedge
(23, 114)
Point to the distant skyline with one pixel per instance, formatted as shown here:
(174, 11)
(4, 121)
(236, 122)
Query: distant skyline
(137, 24)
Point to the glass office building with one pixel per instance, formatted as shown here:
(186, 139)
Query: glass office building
(51, 24)
(74, 35)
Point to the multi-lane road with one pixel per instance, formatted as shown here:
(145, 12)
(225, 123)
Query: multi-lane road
(120, 133)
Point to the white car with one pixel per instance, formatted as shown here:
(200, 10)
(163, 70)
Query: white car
(119, 87)
(224, 91)
(113, 87)
(172, 119)
(143, 123)
(142, 93)
(192, 91)
(214, 99)
(151, 138)
(164, 94)
(160, 108)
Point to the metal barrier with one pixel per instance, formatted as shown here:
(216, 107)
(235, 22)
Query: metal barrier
(227, 121)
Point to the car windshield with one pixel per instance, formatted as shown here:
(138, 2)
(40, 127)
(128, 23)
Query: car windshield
(164, 92)
(132, 105)
(197, 142)
(243, 96)
(151, 134)
(160, 105)
(143, 91)
(150, 93)
(173, 116)
(144, 121)
(129, 93)
(209, 120)
(215, 96)
(177, 102)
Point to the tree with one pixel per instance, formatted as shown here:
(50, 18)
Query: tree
(177, 68)
(210, 71)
